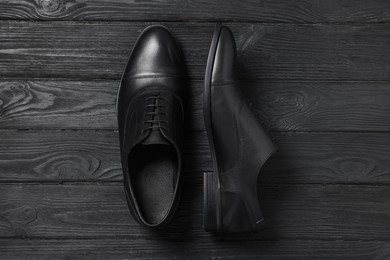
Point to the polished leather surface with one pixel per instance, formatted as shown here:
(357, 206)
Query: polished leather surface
(150, 118)
(241, 145)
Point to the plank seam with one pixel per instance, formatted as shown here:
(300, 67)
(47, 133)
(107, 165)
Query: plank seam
(192, 21)
(115, 130)
(119, 183)
(237, 239)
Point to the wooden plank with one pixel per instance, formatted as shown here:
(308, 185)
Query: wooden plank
(59, 156)
(81, 50)
(280, 106)
(329, 158)
(321, 106)
(116, 248)
(307, 212)
(306, 11)
(76, 155)
(58, 104)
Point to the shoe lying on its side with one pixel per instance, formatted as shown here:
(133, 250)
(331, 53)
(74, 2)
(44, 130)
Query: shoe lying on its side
(239, 145)
(150, 119)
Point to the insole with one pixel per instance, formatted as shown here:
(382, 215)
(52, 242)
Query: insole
(153, 170)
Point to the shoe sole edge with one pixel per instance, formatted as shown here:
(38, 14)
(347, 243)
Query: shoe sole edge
(212, 217)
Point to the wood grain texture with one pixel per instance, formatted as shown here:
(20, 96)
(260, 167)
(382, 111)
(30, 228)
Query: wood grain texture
(305, 11)
(59, 104)
(358, 158)
(77, 155)
(280, 106)
(58, 156)
(307, 212)
(92, 50)
(111, 248)
(315, 72)
(315, 106)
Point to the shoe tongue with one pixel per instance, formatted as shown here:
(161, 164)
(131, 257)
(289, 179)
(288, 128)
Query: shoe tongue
(155, 137)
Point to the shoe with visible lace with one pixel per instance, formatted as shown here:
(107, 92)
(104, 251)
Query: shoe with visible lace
(150, 121)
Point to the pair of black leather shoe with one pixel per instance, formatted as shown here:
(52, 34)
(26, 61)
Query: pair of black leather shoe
(150, 108)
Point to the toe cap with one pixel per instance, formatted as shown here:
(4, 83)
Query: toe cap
(155, 53)
(224, 68)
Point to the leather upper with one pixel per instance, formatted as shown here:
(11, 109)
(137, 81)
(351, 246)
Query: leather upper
(155, 64)
(150, 103)
(225, 60)
(241, 145)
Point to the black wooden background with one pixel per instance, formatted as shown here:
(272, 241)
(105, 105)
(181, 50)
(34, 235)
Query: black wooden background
(316, 72)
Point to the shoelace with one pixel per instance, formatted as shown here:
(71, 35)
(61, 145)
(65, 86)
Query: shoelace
(155, 110)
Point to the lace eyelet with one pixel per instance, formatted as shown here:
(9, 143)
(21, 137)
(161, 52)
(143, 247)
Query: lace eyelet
(156, 112)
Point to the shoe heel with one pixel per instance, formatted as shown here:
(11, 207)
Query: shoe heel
(211, 210)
